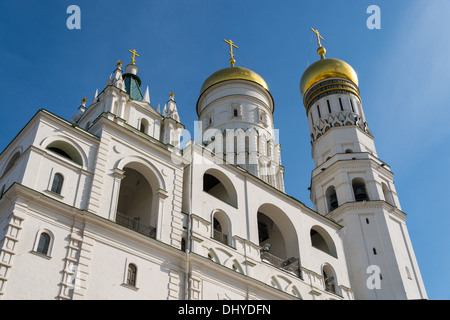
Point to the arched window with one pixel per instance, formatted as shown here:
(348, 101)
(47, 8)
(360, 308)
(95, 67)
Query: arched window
(331, 198)
(57, 184)
(220, 186)
(278, 239)
(131, 275)
(11, 162)
(217, 232)
(137, 205)
(221, 227)
(144, 126)
(329, 278)
(320, 239)
(44, 243)
(359, 189)
(66, 150)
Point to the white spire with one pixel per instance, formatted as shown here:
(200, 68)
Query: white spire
(116, 79)
(147, 96)
(95, 97)
(172, 111)
(110, 81)
(81, 110)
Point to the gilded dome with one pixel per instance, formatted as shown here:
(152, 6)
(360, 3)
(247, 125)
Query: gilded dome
(233, 73)
(326, 68)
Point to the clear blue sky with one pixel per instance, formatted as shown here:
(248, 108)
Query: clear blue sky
(403, 71)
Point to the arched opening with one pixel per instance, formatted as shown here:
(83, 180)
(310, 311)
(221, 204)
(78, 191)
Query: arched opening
(144, 126)
(44, 243)
(278, 238)
(11, 162)
(137, 207)
(57, 184)
(387, 194)
(332, 201)
(66, 150)
(221, 227)
(270, 236)
(320, 239)
(131, 275)
(329, 278)
(217, 184)
(359, 190)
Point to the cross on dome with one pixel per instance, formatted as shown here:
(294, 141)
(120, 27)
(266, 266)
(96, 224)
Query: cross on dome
(232, 60)
(321, 50)
(133, 58)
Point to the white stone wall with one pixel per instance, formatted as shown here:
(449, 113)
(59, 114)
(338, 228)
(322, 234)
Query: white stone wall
(339, 140)
(242, 252)
(88, 257)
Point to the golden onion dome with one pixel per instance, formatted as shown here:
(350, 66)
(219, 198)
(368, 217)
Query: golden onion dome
(233, 73)
(326, 68)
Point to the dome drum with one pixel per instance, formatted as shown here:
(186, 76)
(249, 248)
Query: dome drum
(326, 87)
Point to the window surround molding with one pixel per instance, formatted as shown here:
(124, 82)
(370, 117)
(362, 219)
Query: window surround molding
(48, 255)
(238, 107)
(11, 161)
(49, 191)
(69, 142)
(57, 183)
(125, 275)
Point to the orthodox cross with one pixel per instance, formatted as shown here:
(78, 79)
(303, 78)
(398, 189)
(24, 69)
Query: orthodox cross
(133, 58)
(232, 61)
(318, 36)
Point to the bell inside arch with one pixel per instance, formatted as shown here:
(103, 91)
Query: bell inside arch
(360, 192)
(333, 201)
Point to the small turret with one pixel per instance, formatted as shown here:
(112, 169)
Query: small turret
(81, 110)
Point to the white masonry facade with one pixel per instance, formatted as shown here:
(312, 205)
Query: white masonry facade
(109, 206)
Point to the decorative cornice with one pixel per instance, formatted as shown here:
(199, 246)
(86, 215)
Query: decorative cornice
(338, 119)
(358, 206)
(346, 164)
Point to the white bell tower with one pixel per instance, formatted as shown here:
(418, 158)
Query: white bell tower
(235, 110)
(353, 186)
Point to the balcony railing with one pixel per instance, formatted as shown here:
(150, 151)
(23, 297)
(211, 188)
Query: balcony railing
(219, 236)
(330, 287)
(290, 265)
(136, 225)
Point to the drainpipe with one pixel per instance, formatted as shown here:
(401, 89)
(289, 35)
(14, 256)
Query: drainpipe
(189, 227)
